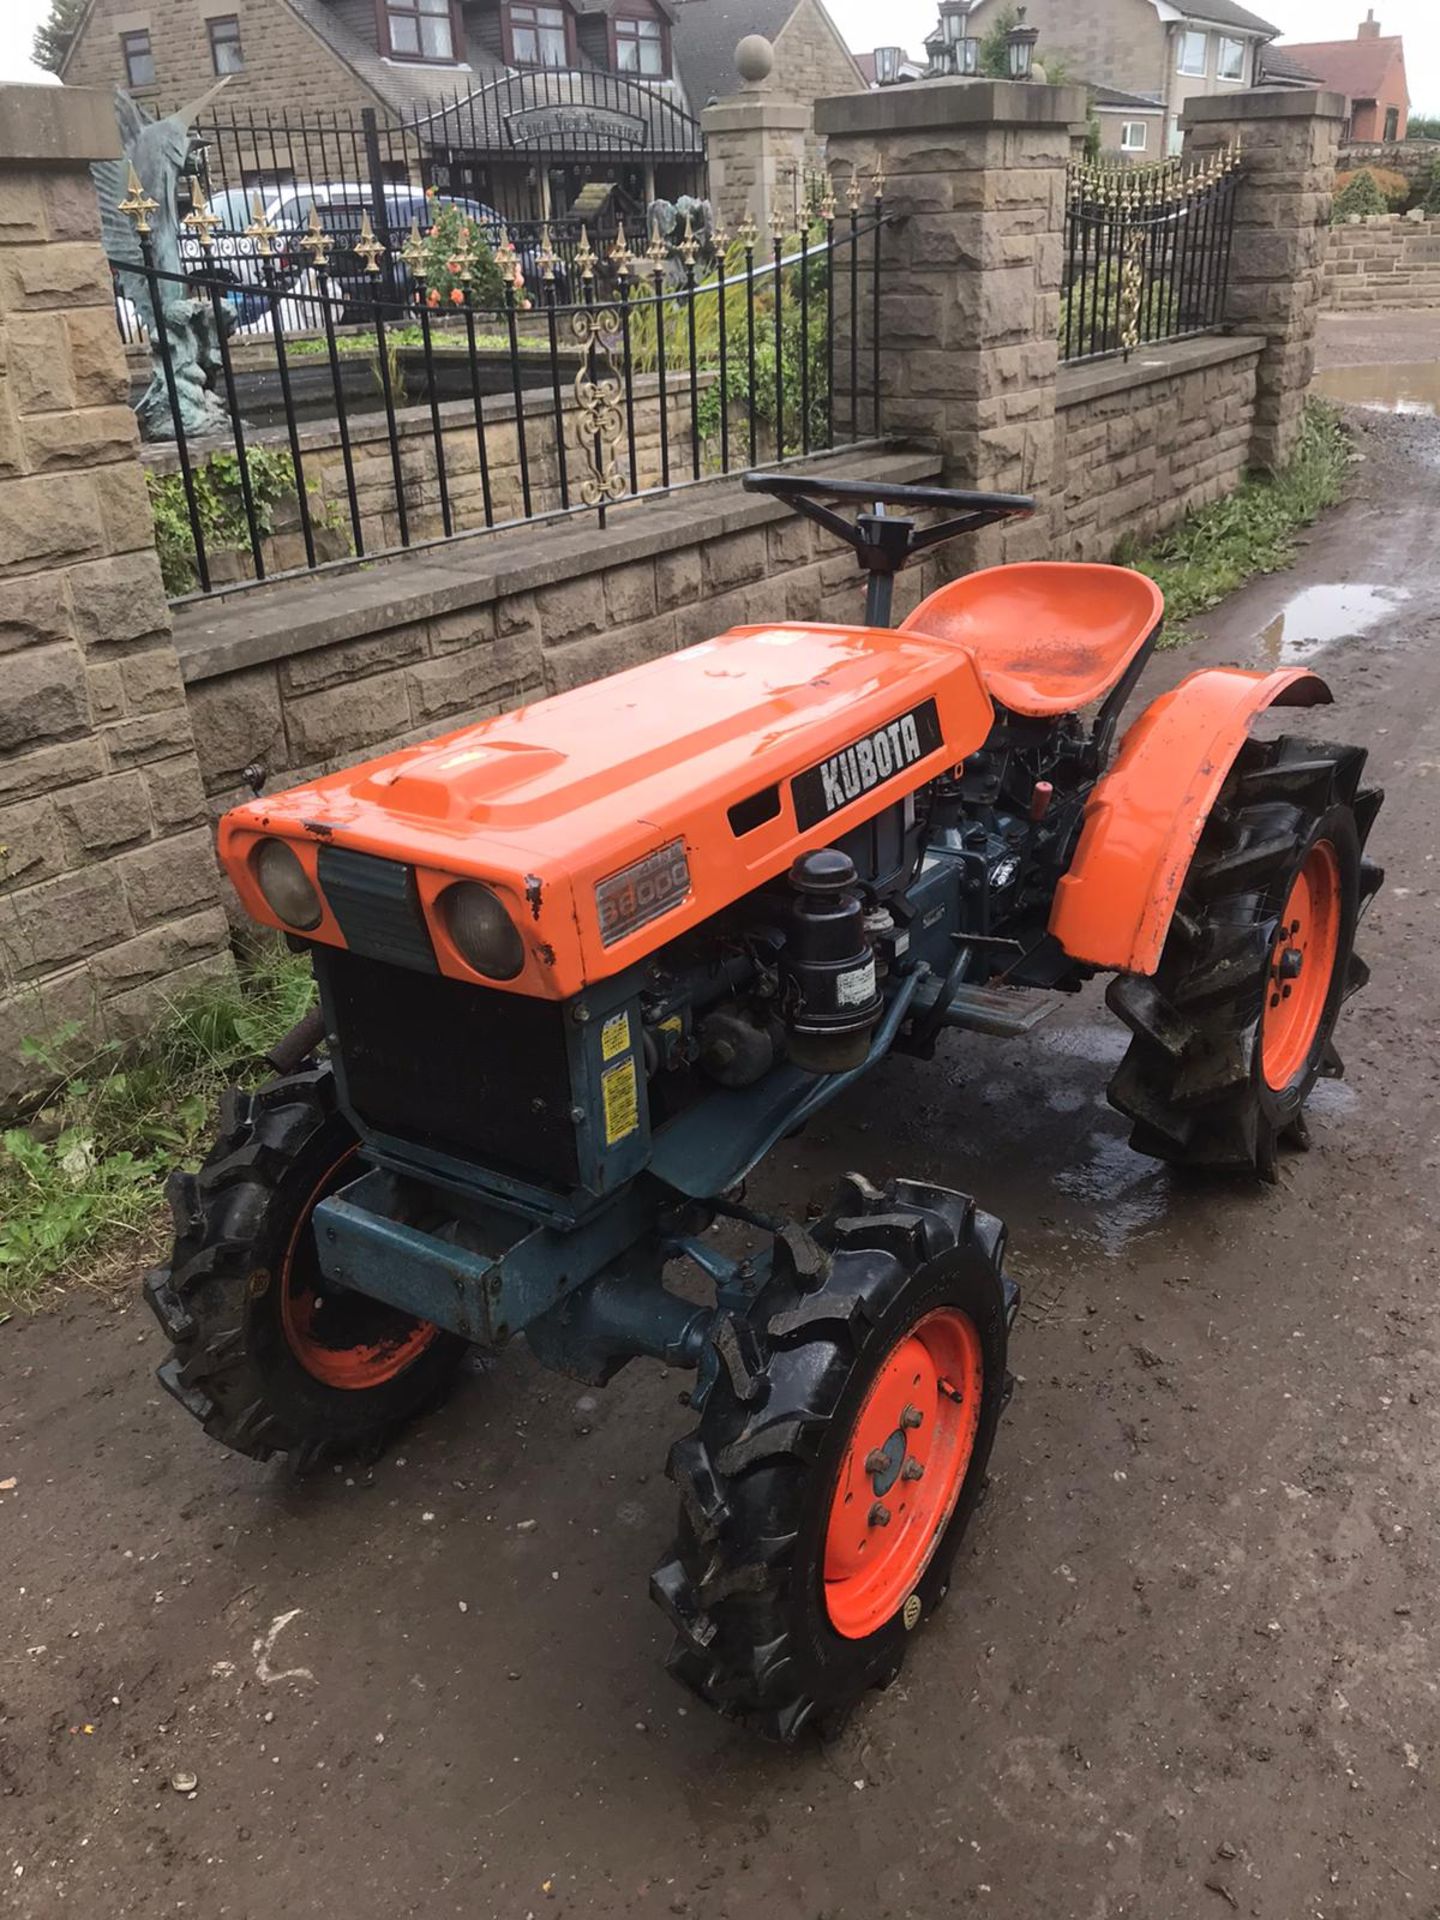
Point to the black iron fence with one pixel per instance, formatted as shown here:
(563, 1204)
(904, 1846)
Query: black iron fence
(1147, 253)
(361, 405)
(543, 145)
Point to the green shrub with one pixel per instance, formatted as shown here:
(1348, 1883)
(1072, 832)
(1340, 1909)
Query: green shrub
(220, 507)
(1394, 187)
(644, 355)
(1251, 531)
(81, 1188)
(1430, 199)
(1092, 308)
(1361, 196)
(444, 245)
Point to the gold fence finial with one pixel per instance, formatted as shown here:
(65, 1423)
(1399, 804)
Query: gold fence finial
(316, 241)
(748, 233)
(657, 253)
(260, 230)
(547, 259)
(508, 261)
(877, 179)
(585, 256)
(200, 220)
(367, 247)
(413, 252)
(689, 246)
(137, 206)
(852, 192)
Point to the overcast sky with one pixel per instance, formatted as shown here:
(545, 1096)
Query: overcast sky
(906, 22)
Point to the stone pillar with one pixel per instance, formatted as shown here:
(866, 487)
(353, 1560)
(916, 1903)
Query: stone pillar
(109, 892)
(1289, 141)
(755, 146)
(970, 274)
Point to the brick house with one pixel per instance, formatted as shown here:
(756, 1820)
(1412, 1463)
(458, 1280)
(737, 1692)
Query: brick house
(1160, 53)
(602, 76)
(1369, 70)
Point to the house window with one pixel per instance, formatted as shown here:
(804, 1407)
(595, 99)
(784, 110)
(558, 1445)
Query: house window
(1231, 63)
(538, 37)
(1192, 53)
(420, 29)
(139, 60)
(226, 55)
(639, 47)
(1133, 136)
(1392, 123)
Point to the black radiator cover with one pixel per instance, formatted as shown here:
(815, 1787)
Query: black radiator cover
(464, 1070)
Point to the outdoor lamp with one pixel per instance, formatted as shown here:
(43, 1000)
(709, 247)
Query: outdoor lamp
(887, 65)
(960, 49)
(1020, 46)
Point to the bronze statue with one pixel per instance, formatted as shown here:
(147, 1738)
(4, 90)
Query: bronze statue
(161, 151)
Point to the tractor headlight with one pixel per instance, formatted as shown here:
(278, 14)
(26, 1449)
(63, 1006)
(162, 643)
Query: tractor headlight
(486, 936)
(289, 891)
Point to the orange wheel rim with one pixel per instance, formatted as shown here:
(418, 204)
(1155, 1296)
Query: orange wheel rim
(904, 1465)
(345, 1340)
(1302, 968)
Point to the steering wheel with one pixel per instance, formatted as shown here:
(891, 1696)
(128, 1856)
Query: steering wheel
(884, 544)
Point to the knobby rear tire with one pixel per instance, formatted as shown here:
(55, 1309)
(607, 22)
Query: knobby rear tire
(1193, 1079)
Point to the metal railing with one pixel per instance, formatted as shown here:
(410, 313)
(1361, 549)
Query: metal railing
(1147, 253)
(411, 400)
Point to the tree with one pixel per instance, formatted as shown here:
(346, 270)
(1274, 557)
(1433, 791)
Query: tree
(1361, 196)
(993, 60)
(55, 32)
(1423, 126)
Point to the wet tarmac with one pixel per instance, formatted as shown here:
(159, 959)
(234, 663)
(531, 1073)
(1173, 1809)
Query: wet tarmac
(1188, 1666)
(1391, 389)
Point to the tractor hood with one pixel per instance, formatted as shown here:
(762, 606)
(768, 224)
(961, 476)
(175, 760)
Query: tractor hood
(610, 818)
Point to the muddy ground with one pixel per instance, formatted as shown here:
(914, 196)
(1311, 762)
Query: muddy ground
(1190, 1665)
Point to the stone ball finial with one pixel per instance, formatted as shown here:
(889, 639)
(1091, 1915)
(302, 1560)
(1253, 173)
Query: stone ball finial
(754, 59)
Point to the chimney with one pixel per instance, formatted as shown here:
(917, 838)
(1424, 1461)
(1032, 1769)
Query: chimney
(1369, 26)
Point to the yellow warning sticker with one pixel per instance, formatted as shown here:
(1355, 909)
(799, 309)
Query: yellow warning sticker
(622, 1101)
(615, 1036)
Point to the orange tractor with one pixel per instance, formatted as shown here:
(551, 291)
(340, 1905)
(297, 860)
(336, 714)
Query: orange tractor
(581, 966)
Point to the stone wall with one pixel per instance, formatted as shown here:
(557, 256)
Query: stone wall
(1121, 42)
(277, 47)
(812, 61)
(303, 678)
(1413, 158)
(108, 889)
(1140, 444)
(323, 465)
(1387, 260)
(1289, 139)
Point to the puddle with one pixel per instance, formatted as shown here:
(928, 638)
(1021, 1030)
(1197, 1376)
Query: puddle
(1409, 389)
(1321, 615)
(1124, 1194)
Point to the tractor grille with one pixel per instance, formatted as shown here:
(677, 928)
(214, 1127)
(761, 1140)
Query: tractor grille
(378, 906)
(460, 1069)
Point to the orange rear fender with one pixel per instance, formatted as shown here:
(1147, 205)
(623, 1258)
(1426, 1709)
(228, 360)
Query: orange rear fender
(1145, 817)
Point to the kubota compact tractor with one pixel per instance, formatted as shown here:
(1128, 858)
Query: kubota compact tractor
(581, 966)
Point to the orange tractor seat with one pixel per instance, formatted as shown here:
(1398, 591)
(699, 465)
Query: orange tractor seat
(1048, 636)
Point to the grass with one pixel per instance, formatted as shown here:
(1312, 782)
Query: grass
(82, 1186)
(1219, 548)
(309, 346)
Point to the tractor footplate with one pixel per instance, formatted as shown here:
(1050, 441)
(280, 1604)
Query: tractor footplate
(1003, 1011)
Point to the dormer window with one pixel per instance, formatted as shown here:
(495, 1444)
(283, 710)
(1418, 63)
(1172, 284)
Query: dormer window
(640, 47)
(537, 35)
(420, 30)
